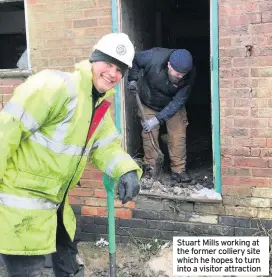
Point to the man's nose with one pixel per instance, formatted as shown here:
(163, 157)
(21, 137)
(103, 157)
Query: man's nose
(112, 72)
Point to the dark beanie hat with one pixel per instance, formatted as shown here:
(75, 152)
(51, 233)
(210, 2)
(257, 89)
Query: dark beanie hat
(181, 60)
(98, 56)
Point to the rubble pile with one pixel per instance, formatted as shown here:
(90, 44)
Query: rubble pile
(167, 188)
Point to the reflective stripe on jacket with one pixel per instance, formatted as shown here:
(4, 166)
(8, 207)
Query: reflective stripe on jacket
(43, 131)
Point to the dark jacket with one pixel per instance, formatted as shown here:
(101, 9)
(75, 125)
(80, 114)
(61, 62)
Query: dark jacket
(150, 70)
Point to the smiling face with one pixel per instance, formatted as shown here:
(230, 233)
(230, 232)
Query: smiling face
(105, 75)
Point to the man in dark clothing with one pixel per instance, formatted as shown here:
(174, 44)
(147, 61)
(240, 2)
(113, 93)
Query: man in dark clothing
(164, 78)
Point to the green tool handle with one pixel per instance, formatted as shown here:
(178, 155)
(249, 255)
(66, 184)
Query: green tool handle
(109, 185)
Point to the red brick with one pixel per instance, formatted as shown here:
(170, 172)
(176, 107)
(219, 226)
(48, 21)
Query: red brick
(225, 62)
(266, 152)
(78, 4)
(84, 192)
(11, 81)
(244, 19)
(250, 142)
(242, 62)
(242, 151)
(242, 83)
(250, 123)
(231, 171)
(226, 102)
(227, 180)
(256, 152)
(103, 3)
(6, 98)
(242, 102)
(264, 51)
(226, 122)
(123, 213)
(226, 83)
(225, 73)
(262, 173)
(74, 200)
(230, 10)
(261, 133)
(242, 191)
(96, 202)
(224, 42)
(98, 176)
(226, 112)
(98, 211)
(250, 162)
(105, 21)
(87, 174)
(31, 2)
(232, 52)
(242, 112)
(226, 141)
(270, 163)
(59, 43)
(91, 184)
(99, 193)
(85, 23)
(269, 142)
(97, 12)
(252, 181)
(266, 112)
(226, 162)
(261, 72)
(7, 90)
(62, 61)
(267, 16)
(236, 132)
(265, 6)
(240, 72)
(262, 28)
(130, 204)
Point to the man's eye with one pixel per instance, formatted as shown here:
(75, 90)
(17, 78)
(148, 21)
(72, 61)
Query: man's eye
(119, 70)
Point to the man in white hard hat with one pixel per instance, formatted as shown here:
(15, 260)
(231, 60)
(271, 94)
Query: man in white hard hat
(53, 124)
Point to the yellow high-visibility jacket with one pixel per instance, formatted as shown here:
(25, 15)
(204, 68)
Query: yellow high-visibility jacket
(43, 131)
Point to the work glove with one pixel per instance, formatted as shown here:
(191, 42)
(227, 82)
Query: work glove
(128, 186)
(133, 87)
(150, 124)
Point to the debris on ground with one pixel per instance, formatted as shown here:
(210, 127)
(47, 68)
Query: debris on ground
(166, 187)
(101, 243)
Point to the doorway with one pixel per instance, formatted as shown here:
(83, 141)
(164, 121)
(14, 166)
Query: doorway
(175, 24)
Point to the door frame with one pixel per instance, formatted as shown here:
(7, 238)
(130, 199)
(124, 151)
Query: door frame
(215, 103)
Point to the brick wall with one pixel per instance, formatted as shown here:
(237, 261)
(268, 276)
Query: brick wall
(7, 85)
(245, 94)
(63, 32)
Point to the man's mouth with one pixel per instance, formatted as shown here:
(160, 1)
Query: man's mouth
(107, 80)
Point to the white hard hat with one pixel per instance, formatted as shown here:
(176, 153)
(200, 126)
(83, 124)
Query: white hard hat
(118, 46)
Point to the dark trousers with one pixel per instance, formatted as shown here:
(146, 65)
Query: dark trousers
(64, 260)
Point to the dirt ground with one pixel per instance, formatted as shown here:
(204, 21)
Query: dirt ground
(152, 259)
(132, 260)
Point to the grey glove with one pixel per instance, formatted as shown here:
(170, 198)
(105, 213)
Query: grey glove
(133, 87)
(150, 124)
(128, 187)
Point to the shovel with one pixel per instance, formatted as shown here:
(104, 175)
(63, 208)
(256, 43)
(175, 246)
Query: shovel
(159, 161)
(109, 185)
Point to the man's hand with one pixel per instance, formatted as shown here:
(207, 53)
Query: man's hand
(133, 87)
(128, 187)
(150, 124)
